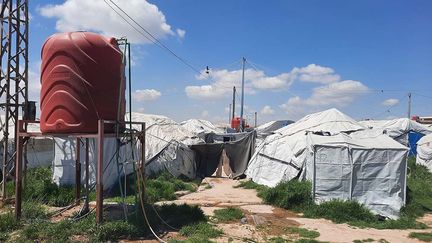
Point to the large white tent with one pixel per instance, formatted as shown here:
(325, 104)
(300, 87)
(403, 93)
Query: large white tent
(341, 158)
(40, 151)
(424, 151)
(398, 129)
(200, 126)
(166, 149)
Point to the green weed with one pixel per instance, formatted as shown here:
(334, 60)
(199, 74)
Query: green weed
(228, 214)
(426, 237)
(200, 230)
(302, 232)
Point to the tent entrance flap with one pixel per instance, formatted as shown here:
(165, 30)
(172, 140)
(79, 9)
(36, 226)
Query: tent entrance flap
(208, 156)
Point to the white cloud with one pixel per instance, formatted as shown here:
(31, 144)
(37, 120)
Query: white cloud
(267, 110)
(34, 85)
(390, 102)
(146, 95)
(222, 82)
(316, 74)
(337, 94)
(181, 33)
(73, 15)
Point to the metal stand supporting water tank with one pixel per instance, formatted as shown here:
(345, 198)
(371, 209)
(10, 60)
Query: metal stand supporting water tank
(82, 76)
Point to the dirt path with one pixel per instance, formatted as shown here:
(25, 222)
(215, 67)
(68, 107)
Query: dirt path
(265, 222)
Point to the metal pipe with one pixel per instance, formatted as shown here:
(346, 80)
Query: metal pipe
(242, 97)
(77, 170)
(18, 173)
(99, 173)
(87, 174)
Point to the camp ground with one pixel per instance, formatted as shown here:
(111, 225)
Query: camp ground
(215, 121)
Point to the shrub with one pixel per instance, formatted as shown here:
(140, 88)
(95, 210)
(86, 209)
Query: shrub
(340, 211)
(294, 195)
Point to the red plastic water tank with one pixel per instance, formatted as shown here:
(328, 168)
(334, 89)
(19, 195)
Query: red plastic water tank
(82, 76)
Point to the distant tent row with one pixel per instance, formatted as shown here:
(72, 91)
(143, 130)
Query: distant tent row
(344, 159)
(403, 130)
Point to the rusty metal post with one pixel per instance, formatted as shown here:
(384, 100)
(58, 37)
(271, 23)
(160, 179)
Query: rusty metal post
(18, 170)
(87, 173)
(142, 165)
(99, 173)
(77, 170)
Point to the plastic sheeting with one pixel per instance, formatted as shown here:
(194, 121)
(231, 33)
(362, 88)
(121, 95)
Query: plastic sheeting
(40, 151)
(331, 120)
(424, 151)
(199, 126)
(398, 129)
(167, 145)
(64, 161)
(238, 152)
(166, 149)
(371, 171)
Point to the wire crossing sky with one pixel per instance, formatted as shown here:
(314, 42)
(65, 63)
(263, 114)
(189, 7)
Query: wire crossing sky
(302, 56)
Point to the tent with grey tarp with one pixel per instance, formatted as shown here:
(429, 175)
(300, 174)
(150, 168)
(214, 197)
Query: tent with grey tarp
(342, 158)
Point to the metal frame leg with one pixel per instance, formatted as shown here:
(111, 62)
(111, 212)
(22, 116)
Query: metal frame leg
(78, 171)
(99, 174)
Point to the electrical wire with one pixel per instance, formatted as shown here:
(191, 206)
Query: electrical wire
(153, 38)
(141, 179)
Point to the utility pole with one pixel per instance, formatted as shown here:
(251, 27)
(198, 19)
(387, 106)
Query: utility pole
(242, 97)
(233, 103)
(409, 105)
(256, 119)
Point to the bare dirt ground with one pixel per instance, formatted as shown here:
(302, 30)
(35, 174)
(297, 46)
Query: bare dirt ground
(264, 221)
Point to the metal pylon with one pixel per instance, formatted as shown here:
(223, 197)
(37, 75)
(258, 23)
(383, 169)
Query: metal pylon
(13, 77)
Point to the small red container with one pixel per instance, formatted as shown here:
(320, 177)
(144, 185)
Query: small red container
(82, 76)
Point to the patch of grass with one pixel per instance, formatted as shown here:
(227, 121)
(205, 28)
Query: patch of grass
(249, 184)
(127, 199)
(426, 237)
(8, 222)
(340, 211)
(277, 239)
(33, 211)
(228, 214)
(308, 241)
(419, 199)
(302, 232)
(365, 240)
(115, 230)
(294, 195)
(200, 231)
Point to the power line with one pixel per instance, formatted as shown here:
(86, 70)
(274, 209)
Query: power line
(153, 39)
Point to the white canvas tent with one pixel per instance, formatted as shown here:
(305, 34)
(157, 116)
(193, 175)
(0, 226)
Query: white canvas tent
(342, 161)
(40, 151)
(200, 126)
(280, 157)
(424, 151)
(398, 129)
(166, 149)
(271, 126)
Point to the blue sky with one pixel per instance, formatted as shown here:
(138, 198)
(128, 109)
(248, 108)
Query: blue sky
(302, 56)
